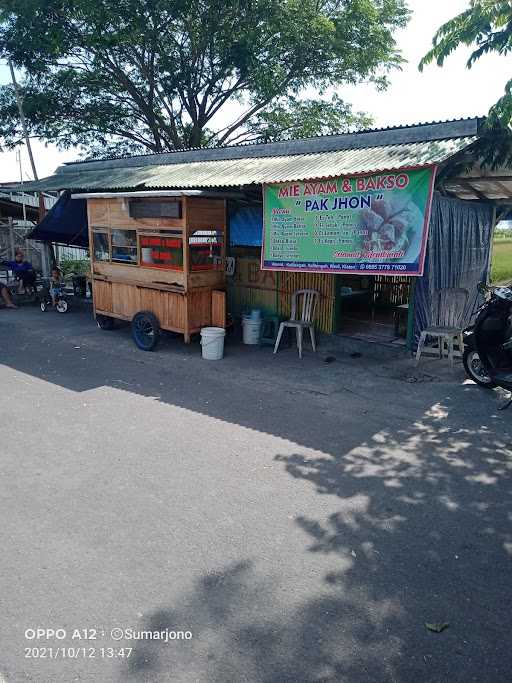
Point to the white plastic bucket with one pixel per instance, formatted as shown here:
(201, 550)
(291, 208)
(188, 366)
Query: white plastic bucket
(212, 342)
(251, 330)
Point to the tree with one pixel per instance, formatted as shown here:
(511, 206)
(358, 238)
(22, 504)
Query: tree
(486, 25)
(125, 76)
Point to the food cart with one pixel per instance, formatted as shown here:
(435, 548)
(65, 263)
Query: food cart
(157, 261)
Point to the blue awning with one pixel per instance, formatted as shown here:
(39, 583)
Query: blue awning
(65, 223)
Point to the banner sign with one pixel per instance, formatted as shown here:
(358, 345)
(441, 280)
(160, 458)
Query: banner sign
(377, 224)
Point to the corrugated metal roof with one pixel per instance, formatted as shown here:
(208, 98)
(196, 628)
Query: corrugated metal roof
(255, 170)
(396, 135)
(27, 199)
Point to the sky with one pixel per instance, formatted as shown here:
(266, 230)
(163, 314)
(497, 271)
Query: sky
(436, 94)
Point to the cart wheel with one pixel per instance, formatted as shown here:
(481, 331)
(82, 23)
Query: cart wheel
(62, 306)
(43, 306)
(145, 330)
(105, 322)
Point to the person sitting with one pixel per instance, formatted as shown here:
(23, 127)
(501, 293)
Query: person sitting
(23, 272)
(56, 285)
(6, 296)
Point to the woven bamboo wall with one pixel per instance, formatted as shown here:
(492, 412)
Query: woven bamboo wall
(325, 284)
(252, 288)
(271, 291)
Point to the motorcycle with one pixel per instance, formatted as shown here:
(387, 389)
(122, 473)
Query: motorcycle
(487, 353)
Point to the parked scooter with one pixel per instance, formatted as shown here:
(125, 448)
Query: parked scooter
(488, 342)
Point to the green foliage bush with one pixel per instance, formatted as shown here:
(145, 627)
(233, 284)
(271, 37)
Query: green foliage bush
(75, 267)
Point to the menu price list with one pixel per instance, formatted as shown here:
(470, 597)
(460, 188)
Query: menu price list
(287, 232)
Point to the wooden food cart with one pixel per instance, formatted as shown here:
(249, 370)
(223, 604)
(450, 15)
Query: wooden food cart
(157, 261)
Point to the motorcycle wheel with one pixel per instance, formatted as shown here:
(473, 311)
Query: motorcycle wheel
(475, 370)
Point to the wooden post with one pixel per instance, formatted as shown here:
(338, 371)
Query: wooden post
(186, 268)
(218, 308)
(337, 319)
(42, 207)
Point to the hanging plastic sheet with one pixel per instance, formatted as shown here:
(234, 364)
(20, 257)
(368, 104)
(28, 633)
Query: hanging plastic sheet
(458, 251)
(246, 226)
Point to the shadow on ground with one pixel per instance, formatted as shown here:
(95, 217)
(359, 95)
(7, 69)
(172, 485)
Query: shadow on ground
(421, 479)
(422, 535)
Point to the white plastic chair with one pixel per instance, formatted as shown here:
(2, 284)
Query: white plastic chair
(451, 304)
(305, 320)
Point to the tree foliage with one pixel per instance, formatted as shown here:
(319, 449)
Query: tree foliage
(486, 26)
(124, 76)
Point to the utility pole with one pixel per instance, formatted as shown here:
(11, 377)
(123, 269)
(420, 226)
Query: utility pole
(19, 101)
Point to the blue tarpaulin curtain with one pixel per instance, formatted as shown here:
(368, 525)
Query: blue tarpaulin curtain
(246, 226)
(458, 251)
(65, 223)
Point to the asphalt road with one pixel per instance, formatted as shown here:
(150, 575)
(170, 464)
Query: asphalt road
(281, 521)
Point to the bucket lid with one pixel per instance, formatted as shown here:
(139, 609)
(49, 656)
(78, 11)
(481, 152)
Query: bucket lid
(213, 331)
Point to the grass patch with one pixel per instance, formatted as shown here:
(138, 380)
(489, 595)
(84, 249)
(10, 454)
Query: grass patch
(502, 261)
